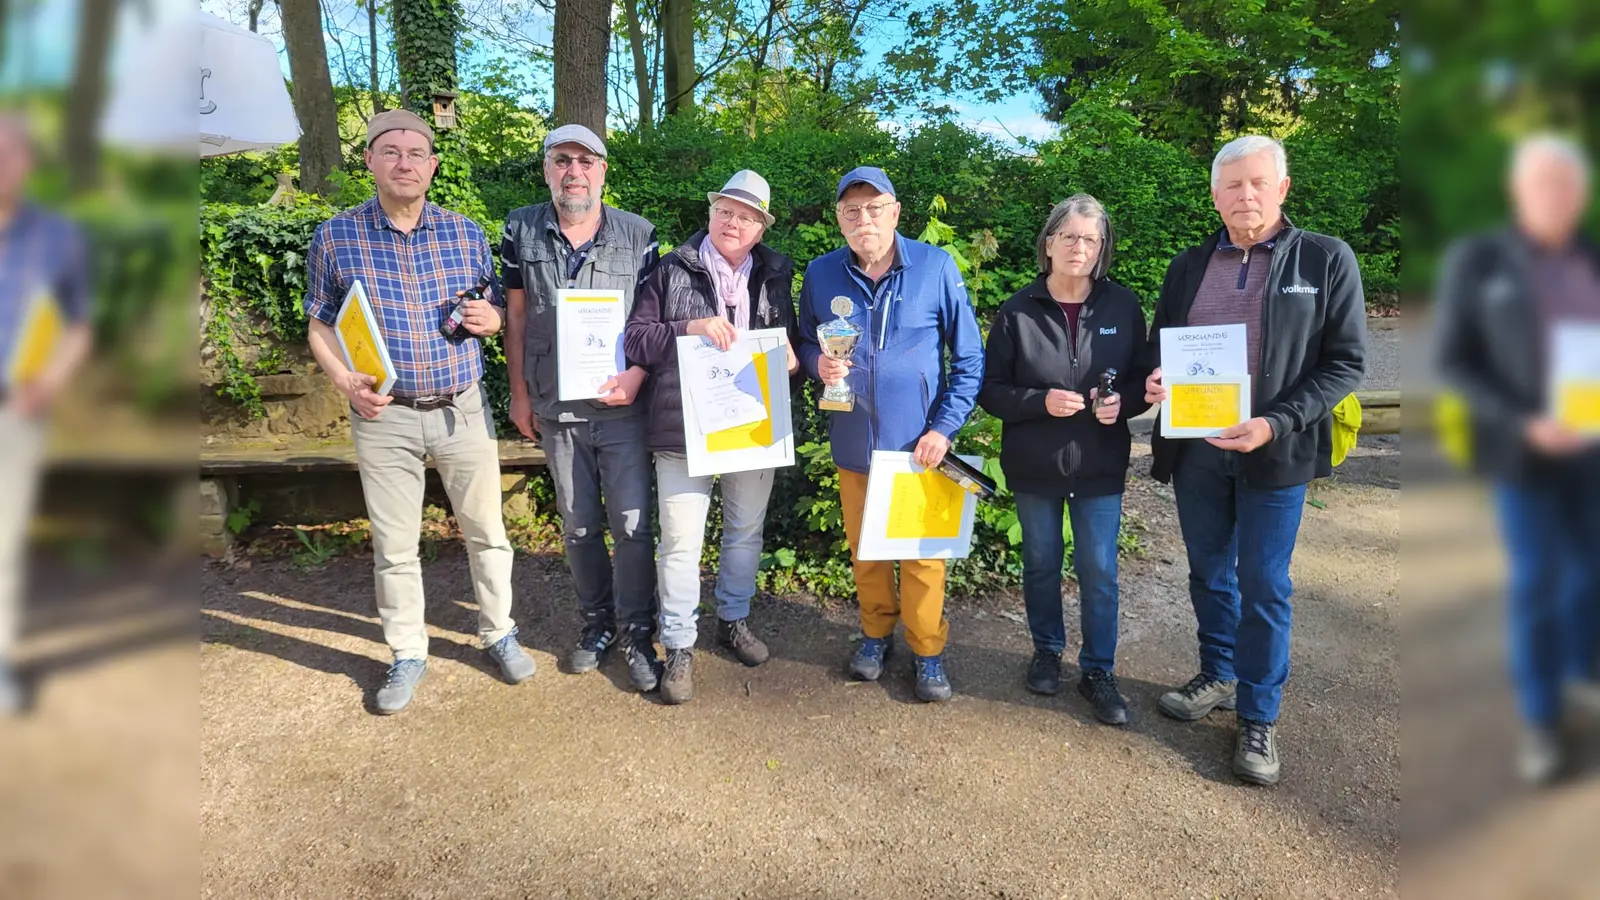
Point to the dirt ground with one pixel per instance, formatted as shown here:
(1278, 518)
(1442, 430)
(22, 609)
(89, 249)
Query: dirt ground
(790, 780)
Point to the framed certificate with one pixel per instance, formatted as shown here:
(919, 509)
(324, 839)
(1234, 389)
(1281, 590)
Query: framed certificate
(1201, 407)
(1574, 382)
(915, 513)
(361, 339)
(761, 435)
(37, 339)
(589, 351)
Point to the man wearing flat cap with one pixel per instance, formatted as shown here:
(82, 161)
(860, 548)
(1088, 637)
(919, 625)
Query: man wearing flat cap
(911, 305)
(414, 260)
(598, 450)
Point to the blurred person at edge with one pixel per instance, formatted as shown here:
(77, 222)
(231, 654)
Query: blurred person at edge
(1500, 297)
(41, 255)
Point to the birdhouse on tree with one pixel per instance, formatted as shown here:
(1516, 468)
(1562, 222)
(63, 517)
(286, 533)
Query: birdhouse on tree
(444, 110)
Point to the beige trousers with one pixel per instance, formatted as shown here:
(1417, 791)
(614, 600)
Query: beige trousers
(21, 453)
(390, 453)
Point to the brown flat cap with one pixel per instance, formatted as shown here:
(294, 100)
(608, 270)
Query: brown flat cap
(397, 120)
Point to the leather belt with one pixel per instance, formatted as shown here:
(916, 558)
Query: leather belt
(428, 404)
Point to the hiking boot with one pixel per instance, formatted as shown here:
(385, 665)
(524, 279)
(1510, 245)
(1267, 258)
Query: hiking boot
(1540, 757)
(10, 692)
(592, 646)
(1099, 687)
(933, 686)
(1198, 698)
(399, 685)
(1255, 752)
(870, 658)
(1044, 673)
(515, 663)
(677, 683)
(737, 636)
(644, 667)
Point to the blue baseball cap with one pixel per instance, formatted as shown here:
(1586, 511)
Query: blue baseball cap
(865, 175)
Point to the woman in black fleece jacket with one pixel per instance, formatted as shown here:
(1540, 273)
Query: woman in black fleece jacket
(1048, 349)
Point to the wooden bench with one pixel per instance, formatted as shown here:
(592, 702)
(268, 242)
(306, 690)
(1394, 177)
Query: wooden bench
(1380, 412)
(222, 465)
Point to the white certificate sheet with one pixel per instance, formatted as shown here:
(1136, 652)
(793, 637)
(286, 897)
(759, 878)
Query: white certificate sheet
(915, 513)
(1575, 376)
(589, 353)
(722, 384)
(1203, 352)
(766, 442)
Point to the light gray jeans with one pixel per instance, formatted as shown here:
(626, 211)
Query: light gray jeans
(684, 502)
(21, 452)
(389, 452)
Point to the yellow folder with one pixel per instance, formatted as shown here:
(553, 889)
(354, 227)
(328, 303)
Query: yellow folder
(37, 339)
(361, 339)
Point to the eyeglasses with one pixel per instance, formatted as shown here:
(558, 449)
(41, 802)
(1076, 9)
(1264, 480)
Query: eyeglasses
(392, 155)
(725, 215)
(584, 163)
(1090, 241)
(873, 210)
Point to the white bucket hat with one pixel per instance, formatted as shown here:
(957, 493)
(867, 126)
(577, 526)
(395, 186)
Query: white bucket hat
(748, 188)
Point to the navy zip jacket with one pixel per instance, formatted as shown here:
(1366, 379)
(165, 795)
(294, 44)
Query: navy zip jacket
(912, 319)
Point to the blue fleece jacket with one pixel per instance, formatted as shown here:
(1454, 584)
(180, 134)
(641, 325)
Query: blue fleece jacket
(918, 311)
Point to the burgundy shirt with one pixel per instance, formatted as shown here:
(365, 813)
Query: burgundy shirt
(1072, 311)
(1234, 290)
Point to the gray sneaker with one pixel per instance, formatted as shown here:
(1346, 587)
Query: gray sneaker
(398, 687)
(10, 692)
(1198, 698)
(515, 663)
(1540, 758)
(1255, 752)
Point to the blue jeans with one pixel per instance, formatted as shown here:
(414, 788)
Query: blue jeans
(601, 472)
(1240, 540)
(685, 501)
(1095, 523)
(1552, 535)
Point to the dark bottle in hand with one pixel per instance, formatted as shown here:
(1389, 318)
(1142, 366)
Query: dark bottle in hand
(451, 327)
(1108, 380)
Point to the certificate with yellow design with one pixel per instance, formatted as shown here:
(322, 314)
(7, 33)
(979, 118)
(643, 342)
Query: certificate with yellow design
(1575, 376)
(42, 327)
(1207, 376)
(915, 513)
(757, 366)
(361, 339)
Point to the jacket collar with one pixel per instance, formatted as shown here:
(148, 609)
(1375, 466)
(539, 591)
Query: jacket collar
(1040, 290)
(602, 234)
(763, 259)
(900, 258)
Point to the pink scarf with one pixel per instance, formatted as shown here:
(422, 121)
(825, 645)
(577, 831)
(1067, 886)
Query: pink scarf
(733, 285)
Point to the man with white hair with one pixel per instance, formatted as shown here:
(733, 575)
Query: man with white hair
(1503, 297)
(43, 260)
(1239, 495)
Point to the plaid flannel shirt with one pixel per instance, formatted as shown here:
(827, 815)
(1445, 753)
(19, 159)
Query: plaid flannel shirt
(39, 251)
(411, 281)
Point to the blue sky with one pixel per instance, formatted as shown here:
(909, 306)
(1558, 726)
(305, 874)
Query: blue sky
(1015, 115)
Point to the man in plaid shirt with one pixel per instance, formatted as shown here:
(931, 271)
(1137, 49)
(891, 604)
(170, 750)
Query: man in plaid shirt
(414, 260)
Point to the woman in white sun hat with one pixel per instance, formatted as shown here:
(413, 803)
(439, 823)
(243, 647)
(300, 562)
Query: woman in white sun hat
(719, 283)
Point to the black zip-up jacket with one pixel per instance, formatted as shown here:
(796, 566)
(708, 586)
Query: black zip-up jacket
(679, 291)
(1030, 352)
(1489, 349)
(1313, 352)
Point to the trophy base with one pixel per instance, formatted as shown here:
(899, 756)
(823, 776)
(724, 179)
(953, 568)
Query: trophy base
(831, 405)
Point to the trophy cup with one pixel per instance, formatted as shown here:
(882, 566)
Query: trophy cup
(838, 340)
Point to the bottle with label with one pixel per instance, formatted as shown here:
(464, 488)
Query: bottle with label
(452, 327)
(1108, 392)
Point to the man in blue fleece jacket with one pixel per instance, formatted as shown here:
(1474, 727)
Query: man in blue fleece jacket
(912, 307)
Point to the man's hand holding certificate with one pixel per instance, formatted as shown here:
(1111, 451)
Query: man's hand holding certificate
(1203, 387)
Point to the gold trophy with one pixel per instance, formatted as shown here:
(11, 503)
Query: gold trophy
(838, 340)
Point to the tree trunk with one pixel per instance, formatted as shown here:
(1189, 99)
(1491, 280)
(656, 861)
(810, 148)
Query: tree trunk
(81, 143)
(677, 22)
(314, 105)
(641, 67)
(372, 55)
(425, 49)
(582, 43)
(255, 14)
